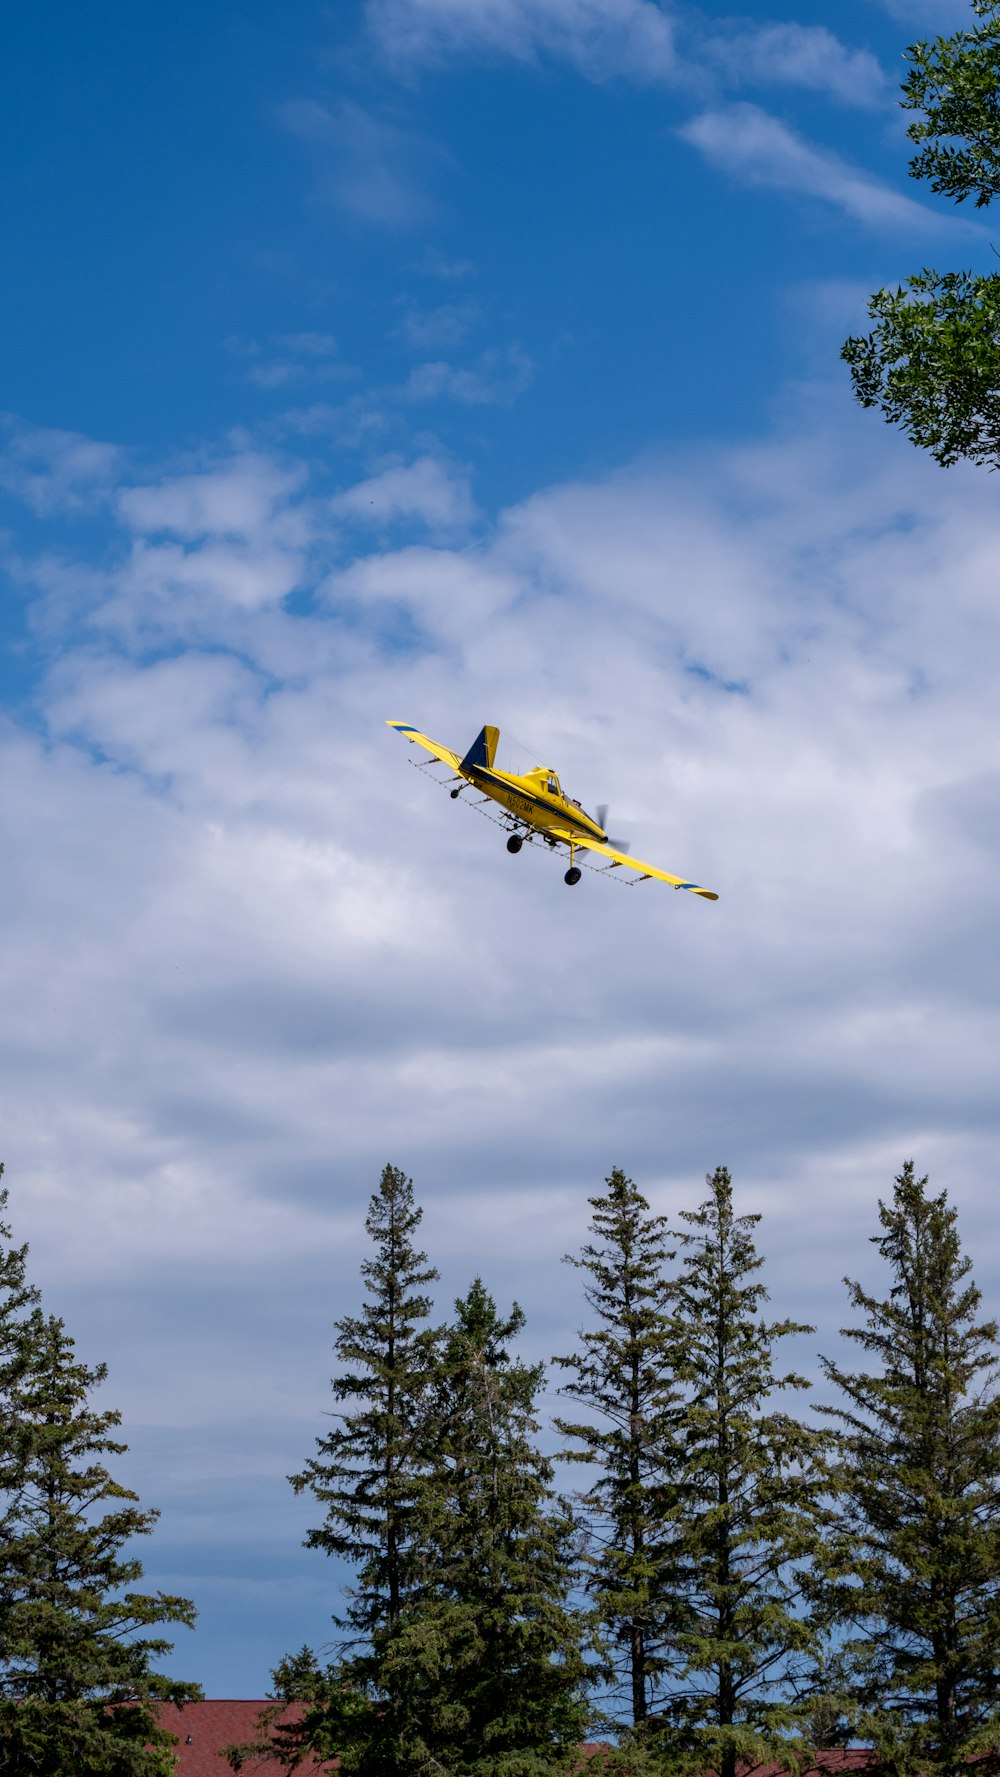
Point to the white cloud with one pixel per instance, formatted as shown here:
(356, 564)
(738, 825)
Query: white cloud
(807, 56)
(434, 264)
(441, 328)
(373, 167)
(427, 491)
(939, 15)
(645, 41)
(54, 471)
(244, 498)
(601, 38)
(310, 345)
(302, 358)
(248, 954)
(496, 379)
(449, 596)
(169, 586)
(756, 148)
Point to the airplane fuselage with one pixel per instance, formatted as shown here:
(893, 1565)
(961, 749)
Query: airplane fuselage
(534, 798)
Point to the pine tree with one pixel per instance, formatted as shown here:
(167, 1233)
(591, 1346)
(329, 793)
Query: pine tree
(369, 1472)
(17, 1295)
(485, 1672)
(916, 1560)
(77, 1690)
(750, 1507)
(17, 1298)
(621, 1376)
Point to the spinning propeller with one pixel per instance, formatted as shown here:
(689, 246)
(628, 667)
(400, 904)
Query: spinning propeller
(601, 812)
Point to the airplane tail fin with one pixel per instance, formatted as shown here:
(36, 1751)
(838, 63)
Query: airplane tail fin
(483, 750)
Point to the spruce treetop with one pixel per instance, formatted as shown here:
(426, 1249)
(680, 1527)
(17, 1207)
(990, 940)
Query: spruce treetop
(68, 1624)
(368, 1471)
(620, 1374)
(626, 1287)
(915, 1563)
(78, 1688)
(750, 1509)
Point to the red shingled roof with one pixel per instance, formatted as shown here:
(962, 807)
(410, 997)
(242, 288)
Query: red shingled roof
(203, 1729)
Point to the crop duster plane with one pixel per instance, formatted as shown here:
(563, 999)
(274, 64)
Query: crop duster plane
(537, 808)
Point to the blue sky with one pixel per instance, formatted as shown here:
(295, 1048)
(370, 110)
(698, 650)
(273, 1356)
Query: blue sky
(451, 361)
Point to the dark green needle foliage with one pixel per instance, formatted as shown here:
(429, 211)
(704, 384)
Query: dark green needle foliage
(932, 360)
(17, 1295)
(17, 1298)
(915, 1565)
(485, 1674)
(369, 1471)
(751, 1482)
(621, 1377)
(78, 1690)
(369, 1475)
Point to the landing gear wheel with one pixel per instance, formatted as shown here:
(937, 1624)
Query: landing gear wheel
(515, 842)
(572, 876)
(454, 793)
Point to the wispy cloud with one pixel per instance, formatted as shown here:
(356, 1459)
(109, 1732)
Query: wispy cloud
(806, 56)
(443, 327)
(756, 148)
(54, 471)
(433, 264)
(642, 41)
(426, 491)
(496, 379)
(309, 345)
(372, 166)
(938, 15)
(291, 360)
(601, 38)
(288, 360)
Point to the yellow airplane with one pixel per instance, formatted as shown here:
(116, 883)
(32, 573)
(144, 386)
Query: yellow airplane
(536, 807)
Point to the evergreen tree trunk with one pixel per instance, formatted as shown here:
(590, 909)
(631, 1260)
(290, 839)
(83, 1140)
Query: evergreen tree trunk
(914, 1567)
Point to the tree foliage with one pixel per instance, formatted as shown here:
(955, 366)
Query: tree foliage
(954, 86)
(932, 359)
(17, 1298)
(620, 1373)
(370, 1469)
(751, 1507)
(932, 363)
(464, 1652)
(485, 1673)
(916, 1558)
(78, 1687)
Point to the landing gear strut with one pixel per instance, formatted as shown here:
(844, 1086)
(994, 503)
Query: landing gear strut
(515, 842)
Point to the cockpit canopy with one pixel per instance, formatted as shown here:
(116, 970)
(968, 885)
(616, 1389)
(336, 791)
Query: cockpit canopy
(547, 780)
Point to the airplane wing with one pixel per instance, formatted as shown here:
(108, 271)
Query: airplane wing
(616, 858)
(430, 746)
